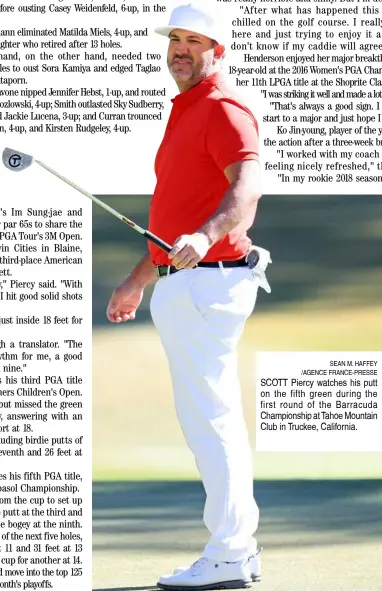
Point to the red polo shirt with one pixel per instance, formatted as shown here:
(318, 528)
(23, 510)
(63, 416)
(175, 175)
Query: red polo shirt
(208, 129)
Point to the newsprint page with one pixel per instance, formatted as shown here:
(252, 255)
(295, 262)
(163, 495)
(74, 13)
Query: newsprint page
(138, 138)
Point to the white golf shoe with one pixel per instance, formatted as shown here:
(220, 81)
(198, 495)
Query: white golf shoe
(254, 564)
(209, 574)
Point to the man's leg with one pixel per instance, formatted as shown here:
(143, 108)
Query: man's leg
(200, 316)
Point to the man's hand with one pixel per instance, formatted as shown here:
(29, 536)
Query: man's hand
(188, 250)
(125, 301)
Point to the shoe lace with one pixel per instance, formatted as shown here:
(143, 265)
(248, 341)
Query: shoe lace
(198, 565)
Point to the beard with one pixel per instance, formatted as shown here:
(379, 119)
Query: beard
(184, 68)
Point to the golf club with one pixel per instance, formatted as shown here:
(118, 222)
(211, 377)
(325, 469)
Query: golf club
(17, 161)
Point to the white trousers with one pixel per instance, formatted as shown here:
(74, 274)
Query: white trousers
(200, 315)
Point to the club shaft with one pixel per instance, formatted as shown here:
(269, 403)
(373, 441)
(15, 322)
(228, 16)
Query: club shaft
(163, 245)
(90, 196)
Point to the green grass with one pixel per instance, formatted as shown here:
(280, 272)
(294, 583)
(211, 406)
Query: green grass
(135, 430)
(267, 466)
(317, 535)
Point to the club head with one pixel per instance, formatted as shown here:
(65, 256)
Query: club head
(14, 160)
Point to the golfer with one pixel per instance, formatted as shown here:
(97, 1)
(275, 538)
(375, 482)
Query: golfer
(205, 200)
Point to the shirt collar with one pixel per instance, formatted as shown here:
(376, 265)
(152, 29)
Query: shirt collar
(187, 98)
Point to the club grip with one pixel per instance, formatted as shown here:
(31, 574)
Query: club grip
(161, 243)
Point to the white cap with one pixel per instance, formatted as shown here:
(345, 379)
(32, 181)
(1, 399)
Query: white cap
(191, 17)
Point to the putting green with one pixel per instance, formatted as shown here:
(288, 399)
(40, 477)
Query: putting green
(317, 535)
(328, 568)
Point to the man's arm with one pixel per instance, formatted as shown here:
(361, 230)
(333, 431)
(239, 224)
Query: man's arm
(238, 207)
(143, 273)
(126, 298)
(239, 203)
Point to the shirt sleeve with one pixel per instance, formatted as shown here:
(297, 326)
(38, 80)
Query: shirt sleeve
(231, 134)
